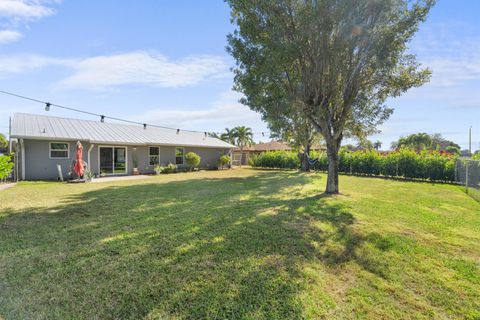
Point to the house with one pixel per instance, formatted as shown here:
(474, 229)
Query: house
(41, 143)
(263, 147)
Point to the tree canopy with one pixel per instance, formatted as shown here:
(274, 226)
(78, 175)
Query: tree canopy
(422, 140)
(335, 62)
(240, 136)
(3, 143)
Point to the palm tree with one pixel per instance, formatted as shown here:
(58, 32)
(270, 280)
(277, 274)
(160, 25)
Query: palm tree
(214, 135)
(228, 136)
(243, 137)
(377, 145)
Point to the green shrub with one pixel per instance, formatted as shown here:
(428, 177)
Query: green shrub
(6, 166)
(158, 169)
(276, 159)
(224, 161)
(170, 168)
(193, 160)
(407, 163)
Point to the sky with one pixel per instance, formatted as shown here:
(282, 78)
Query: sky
(164, 62)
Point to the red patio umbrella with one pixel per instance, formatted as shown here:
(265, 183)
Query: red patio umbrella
(79, 167)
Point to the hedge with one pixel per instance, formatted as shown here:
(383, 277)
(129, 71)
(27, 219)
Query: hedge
(406, 163)
(276, 159)
(6, 166)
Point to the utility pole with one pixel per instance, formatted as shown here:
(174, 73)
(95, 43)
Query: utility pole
(470, 141)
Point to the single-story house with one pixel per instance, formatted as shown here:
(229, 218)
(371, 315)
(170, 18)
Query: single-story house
(41, 143)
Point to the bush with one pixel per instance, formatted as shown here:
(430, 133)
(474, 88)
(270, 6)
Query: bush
(158, 169)
(276, 159)
(407, 163)
(224, 160)
(6, 166)
(193, 160)
(170, 168)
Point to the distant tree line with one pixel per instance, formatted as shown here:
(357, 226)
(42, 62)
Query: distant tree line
(424, 141)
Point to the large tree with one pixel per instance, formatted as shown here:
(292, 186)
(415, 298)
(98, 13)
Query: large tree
(293, 128)
(337, 61)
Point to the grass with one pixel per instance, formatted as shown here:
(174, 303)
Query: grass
(239, 244)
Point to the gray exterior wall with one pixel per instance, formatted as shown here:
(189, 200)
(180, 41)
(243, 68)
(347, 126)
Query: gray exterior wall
(39, 165)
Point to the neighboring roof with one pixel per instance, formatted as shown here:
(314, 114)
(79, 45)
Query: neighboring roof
(269, 146)
(41, 127)
(274, 146)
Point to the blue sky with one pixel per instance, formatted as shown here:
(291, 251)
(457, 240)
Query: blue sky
(164, 62)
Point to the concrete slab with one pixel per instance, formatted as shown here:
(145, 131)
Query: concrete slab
(4, 186)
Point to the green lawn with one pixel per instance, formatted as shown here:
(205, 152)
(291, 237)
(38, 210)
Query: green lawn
(239, 244)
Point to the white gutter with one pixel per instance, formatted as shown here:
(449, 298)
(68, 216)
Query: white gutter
(22, 148)
(88, 155)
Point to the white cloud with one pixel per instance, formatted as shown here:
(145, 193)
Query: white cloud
(226, 111)
(16, 14)
(7, 36)
(135, 68)
(448, 72)
(454, 60)
(25, 9)
(143, 68)
(24, 63)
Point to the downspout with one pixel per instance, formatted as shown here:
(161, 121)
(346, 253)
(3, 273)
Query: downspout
(13, 148)
(22, 151)
(10, 135)
(88, 156)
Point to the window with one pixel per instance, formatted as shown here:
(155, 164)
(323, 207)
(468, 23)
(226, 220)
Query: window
(113, 160)
(154, 156)
(179, 152)
(59, 150)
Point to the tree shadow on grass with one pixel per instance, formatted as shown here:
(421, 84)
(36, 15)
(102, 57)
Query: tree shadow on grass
(193, 249)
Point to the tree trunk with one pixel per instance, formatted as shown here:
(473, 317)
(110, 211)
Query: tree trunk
(333, 161)
(304, 164)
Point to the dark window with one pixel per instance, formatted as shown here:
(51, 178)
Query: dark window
(58, 150)
(179, 153)
(154, 155)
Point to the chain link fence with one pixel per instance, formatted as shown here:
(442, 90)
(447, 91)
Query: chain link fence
(467, 173)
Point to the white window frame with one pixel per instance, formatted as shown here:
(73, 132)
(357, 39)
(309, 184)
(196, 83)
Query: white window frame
(50, 150)
(152, 155)
(183, 156)
(113, 163)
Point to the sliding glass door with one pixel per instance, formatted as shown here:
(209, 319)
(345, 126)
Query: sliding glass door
(113, 160)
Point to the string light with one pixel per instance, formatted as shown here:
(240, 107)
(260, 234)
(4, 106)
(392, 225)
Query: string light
(49, 105)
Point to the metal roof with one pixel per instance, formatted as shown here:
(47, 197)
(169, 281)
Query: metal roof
(33, 126)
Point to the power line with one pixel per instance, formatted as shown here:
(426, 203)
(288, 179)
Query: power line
(48, 105)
